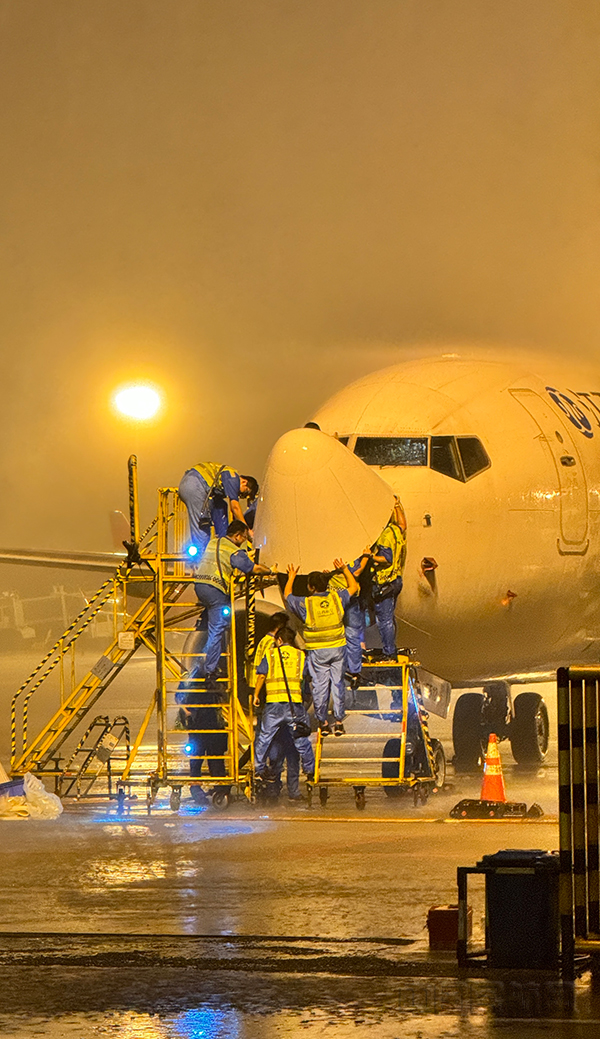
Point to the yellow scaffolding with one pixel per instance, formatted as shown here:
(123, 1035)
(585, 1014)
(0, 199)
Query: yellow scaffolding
(158, 568)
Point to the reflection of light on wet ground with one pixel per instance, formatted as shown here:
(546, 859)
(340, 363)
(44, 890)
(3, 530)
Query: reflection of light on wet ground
(206, 1023)
(112, 873)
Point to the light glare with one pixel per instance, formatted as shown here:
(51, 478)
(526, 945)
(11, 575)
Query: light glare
(137, 401)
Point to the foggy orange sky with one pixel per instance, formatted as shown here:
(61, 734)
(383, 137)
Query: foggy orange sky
(252, 203)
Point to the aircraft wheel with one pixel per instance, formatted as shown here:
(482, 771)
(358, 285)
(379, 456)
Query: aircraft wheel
(466, 732)
(439, 764)
(323, 795)
(529, 729)
(391, 769)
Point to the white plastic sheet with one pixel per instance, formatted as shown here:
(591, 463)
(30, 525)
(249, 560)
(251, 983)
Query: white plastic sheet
(36, 802)
(40, 804)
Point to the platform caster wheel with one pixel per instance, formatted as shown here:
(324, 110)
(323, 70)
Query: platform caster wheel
(175, 799)
(220, 800)
(359, 798)
(120, 801)
(323, 795)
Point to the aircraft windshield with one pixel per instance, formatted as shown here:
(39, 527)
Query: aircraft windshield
(392, 450)
(460, 458)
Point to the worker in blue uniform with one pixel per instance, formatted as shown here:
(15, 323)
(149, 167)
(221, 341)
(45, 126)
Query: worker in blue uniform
(322, 612)
(354, 617)
(280, 671)
(213, 576)
(388, 559)
(210, 492)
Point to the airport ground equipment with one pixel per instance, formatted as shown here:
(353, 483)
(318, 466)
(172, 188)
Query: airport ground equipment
(521, 910)
(579, 790)
(523, 721)
(410, 761)
(157, 609)
(96, 755)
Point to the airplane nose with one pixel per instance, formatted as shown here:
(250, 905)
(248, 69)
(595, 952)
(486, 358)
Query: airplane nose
(318, 501)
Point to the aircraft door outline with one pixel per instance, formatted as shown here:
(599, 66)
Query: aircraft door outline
(570, 473)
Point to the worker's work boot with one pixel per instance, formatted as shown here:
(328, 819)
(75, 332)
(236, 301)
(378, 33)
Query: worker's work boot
(325, 728)
(338, 729)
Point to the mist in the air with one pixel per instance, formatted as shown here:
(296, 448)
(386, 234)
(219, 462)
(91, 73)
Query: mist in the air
(252, 204)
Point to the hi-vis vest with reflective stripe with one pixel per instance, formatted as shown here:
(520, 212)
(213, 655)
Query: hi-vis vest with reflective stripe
(261, 651)
(215, 566)
(293, 662)
(395, 538)
(211, 474)
(324, 627)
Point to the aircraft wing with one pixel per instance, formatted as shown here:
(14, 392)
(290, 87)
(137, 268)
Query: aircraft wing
(104, 562)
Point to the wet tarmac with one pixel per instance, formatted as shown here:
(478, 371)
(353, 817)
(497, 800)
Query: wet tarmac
(288, 921)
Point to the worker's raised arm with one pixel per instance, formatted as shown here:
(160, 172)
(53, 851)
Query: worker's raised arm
(260, 569)
(351, 581)
(292, 571)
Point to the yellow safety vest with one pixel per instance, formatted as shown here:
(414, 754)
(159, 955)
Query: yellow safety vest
(395, 538)
(211, 473)
(215, 567)
(324, 628)
(293, 662)
(261, 651)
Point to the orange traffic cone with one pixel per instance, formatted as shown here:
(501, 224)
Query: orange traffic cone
(492, 788)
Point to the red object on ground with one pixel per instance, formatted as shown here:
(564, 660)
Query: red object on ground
(492, 788)
(442, 924)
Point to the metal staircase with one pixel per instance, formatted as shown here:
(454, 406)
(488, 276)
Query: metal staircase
(159, 568)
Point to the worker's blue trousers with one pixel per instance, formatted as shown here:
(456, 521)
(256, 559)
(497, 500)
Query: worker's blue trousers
(292, 752)
(194, 490)
(385, 599)
(275, 718)
(354, 624)
(216, 602)
(326, 669)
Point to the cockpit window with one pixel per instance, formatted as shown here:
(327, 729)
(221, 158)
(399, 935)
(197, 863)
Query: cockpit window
(392, 450)
(444, 457)
(460, 458)
(473, 455)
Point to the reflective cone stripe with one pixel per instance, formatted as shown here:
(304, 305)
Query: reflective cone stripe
(492, 788)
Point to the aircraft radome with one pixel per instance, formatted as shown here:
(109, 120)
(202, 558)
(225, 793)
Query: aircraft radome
(497, 464)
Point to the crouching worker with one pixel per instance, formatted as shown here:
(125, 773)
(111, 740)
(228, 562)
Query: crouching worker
(210, 491)
(323, 614)
(284, 715)
(213, 581)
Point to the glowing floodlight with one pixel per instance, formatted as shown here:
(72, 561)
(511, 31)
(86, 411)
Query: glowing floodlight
(193, 550)
(138, 401)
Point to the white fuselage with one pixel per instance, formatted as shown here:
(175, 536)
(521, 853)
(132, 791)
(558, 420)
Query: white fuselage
(517, 544)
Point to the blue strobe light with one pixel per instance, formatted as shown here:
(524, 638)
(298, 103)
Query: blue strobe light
(193, 550)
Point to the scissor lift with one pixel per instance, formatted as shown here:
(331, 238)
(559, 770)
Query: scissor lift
(408, 761)
(160, 571)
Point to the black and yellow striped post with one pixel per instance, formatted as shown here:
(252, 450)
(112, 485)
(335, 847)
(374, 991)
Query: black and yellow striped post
(578, 817)
(565, 831)
(591, 802)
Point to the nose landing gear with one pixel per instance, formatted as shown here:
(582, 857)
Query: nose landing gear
(524, 723)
